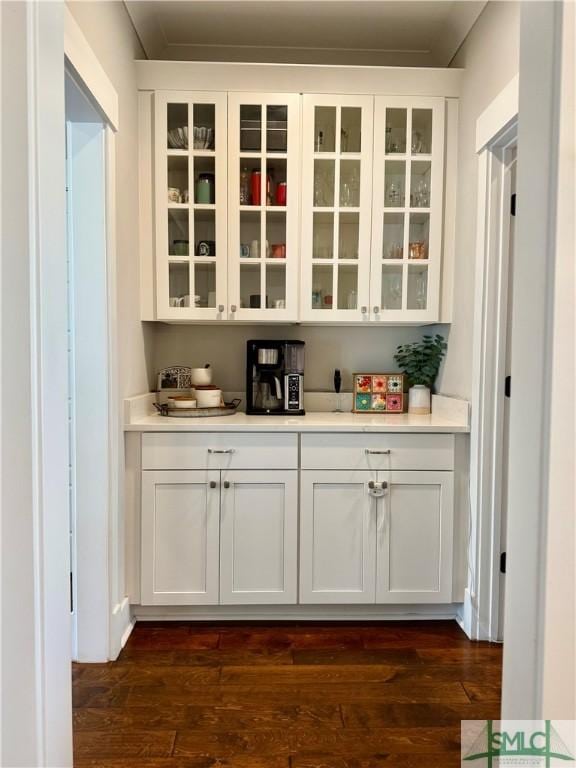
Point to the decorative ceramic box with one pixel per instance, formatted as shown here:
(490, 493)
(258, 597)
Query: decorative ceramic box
(379, 393)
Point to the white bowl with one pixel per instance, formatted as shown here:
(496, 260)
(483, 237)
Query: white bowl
(181, 402)
(201, 377)
(208, 398)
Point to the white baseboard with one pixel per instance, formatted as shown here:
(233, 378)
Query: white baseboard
(121, 625)
(295, 612)
(465, 618)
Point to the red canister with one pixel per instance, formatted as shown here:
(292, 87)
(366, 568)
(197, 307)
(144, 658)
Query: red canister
(281, 193)
(256, 187)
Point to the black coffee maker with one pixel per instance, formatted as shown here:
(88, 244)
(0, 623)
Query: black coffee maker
(275, 377)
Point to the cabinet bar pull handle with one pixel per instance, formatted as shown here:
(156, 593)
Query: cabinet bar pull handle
(363, 310)
(233, 308)
(226, 484)
(212, 483)
(220, 450)
(369, 451)
(220, 308)
(376, 310)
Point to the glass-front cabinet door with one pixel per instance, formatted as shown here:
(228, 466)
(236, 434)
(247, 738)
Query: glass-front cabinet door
(336, 207)
(407, 208)
(190, 181)
(263, 205)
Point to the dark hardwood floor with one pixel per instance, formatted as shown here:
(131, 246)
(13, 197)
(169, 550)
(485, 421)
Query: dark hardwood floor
(360, 695)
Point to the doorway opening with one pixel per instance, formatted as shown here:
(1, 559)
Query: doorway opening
(497, 131)
(88, 413)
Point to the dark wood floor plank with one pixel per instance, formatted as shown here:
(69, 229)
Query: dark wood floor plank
(295, 639)
(483, 691)
(166, 718)
(253, 715)
(149, 675)
(131, 744)
(382, 760)
(185, 762)
(100, 695)
(377, 716)
(475, 653)
(394, 656)
(179, 638)
(334, 693)
(259, 743)
(364, 743)
(307, 674)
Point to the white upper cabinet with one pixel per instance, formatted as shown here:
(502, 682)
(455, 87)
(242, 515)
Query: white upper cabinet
(291, 207)
(190, 192)
(336, 207)
(263, 204)
(407, 210)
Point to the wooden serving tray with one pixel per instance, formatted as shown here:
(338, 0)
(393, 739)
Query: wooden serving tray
(195, 413)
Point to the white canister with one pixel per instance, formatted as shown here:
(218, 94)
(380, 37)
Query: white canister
(419, 399)
(208, 397)
(201, 377)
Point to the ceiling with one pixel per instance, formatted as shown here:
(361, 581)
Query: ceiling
(361, 32)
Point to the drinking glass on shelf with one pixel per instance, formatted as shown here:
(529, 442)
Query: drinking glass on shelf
(417, 143)
(393, 194)
(393, 291)
(421, 290)
(422, 194)
(319, 191)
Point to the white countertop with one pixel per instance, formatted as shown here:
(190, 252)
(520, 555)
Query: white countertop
(311, 422)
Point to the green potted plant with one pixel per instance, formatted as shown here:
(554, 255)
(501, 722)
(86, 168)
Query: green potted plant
(420, 361)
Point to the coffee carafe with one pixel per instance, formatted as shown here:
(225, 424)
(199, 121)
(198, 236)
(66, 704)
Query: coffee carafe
(275, 377)
(269, 396)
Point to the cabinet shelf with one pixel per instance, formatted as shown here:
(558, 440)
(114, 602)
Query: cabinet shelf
(408, 156)
(337, 155)
(257, 208)
(336, 209)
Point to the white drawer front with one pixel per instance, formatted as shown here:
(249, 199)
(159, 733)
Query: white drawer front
(355, 451)
(219, 450)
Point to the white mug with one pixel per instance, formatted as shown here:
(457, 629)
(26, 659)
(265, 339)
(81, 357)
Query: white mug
(279, 304)
(254, 249)
(173, 195)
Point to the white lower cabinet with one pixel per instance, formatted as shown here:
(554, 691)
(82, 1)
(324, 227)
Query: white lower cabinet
(234, 535)
(359, 548)
(414, 550)
(259, 537)
(180, 537)
(337, 537)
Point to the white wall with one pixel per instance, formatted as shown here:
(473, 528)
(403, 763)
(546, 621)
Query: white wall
(539, 674)
(109, 32)
(489, 56)
(559, 673)
(350, 349)
(35, 708)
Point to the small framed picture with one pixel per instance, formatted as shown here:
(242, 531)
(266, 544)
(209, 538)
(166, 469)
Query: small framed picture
(379, 393)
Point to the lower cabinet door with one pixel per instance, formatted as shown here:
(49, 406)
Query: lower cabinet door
(415, 523)
(337, 537)
(180, 537)
(259, 537)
